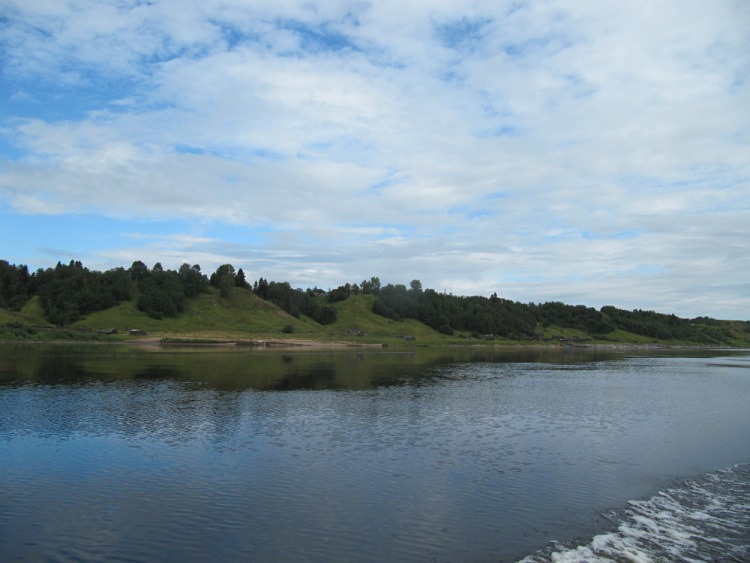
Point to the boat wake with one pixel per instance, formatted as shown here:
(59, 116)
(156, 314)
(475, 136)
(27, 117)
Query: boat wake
(707, 519)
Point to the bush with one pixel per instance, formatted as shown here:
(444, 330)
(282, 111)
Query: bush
(326, 315)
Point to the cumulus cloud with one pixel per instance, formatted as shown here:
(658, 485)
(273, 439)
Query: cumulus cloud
(577, 151)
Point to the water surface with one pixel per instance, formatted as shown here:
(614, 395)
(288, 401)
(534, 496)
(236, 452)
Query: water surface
(189, 454)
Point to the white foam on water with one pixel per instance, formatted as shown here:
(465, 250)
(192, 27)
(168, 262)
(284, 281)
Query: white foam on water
(706, 519)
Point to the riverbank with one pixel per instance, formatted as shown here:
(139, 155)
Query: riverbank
(407, 334)
(310, 344)
(244, 319)
(263, 343)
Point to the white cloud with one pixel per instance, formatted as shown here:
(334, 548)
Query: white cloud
(544, 150)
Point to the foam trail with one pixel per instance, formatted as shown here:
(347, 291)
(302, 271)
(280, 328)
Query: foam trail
(707, 519)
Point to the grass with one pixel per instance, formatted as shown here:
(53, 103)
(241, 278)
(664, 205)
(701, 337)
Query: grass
(355, 314)
(620, 335)
(244, 316)
(31, 314)
(240, 315)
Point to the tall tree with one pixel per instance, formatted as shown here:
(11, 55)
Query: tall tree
(193, 281)
(240, 280)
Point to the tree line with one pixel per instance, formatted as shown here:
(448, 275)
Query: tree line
(483, 315)
(69, 292)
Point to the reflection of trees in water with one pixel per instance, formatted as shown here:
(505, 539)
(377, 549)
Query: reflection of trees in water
(319, 376)
(157, 372)
(188, 396)
(57, 369)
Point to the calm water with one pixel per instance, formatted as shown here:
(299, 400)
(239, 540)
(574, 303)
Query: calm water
(118, 453)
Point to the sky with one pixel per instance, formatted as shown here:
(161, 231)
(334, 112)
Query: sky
(585, 151)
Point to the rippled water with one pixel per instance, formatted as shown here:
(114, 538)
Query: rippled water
(121, 453)
(707, 519)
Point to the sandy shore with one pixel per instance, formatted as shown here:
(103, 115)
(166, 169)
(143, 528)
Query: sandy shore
(259, 344)
(303, 344)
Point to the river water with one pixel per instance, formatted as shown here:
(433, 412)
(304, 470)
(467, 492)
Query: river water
(180, 454)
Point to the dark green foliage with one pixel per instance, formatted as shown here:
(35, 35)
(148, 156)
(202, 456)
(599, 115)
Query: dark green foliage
(260, 288)
(446, 313)
(138, 270)
(15, 286)
(341, 293)
(395, 303)
(224, 278)
(70, 292)
(161, 293)
(286, 298)
(240, 281)
(579, 317)
(325, 315)
(221, 271)
(371, 287)
(193, 281)
(17, 331)
(295, 301)
(669, 327)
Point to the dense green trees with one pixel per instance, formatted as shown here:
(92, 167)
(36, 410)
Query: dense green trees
(163, 292)
(447, 313)
(295, 301)
(667, 327)
(340, 293)
(15, 286)
(579, 317)
(193, 280)
(370, 287)
(224, 279)
(70, 291)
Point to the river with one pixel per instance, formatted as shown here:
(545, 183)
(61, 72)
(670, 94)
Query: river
(485, 454)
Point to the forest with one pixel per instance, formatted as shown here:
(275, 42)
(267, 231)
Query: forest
(69, 292)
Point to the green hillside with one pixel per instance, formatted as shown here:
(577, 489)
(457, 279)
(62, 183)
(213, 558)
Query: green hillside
(355, 319)
(240, 316)
(404, 318)
(243, 315)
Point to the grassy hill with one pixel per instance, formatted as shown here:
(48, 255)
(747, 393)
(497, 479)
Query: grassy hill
(242, 313)
(240, 316)
(356, 320)
(31, 314)
(244, 316)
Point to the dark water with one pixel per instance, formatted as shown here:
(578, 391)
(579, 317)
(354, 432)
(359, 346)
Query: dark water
(116, 453)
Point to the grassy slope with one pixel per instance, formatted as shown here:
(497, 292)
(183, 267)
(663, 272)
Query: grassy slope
(31, 314)
(355, 313)
(243, 315)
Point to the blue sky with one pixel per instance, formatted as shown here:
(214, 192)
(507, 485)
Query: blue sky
(589, 152)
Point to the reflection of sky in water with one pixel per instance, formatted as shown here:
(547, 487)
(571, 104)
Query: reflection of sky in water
(440, 459)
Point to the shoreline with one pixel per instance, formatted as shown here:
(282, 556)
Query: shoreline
(301, 344)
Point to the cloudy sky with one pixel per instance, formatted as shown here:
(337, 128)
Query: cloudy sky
(586, 151)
